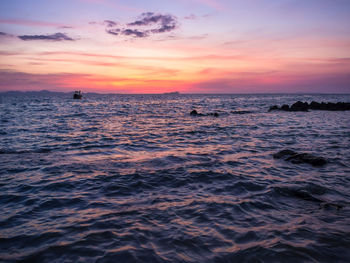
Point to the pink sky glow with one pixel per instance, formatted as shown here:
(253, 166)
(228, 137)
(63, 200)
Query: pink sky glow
(197, 46)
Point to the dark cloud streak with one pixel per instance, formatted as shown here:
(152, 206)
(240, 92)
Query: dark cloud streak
(110, 23)
(167, 23)
(134, 32)
(53, 37)
(149, 18)
(114, 32)
(160, 23)
(3, 34)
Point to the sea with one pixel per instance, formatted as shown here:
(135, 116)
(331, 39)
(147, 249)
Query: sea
(136, 178)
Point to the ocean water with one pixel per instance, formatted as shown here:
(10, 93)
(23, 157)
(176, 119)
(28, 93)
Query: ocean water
(135, 178)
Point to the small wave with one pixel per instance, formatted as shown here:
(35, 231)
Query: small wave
(59, 203)
(242, 112)
(8, 151)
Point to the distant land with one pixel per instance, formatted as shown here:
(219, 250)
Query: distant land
(172, 93)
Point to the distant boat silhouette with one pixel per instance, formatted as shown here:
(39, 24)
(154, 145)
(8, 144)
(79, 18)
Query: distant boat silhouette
(77, 95)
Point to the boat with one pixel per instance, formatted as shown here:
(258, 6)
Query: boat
(77, 95)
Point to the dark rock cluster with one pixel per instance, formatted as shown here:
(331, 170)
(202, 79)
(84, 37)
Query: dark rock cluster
(298, 158)
(195, 113)
(304, 106)
(339, 106)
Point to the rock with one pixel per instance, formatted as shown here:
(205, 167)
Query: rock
(315, 105)
(339, 106)
(275, 107)
(285, 107)
(299, 106)
(307, 158)
(298, 158)
(304, 106)
(194, 112)
(284, 153)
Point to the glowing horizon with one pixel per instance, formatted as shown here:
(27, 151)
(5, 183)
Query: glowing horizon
(196, 46)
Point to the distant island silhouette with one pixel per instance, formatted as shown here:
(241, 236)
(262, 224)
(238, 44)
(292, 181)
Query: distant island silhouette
(172, 93)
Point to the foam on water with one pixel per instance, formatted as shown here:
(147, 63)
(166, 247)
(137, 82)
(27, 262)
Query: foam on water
(135, 178)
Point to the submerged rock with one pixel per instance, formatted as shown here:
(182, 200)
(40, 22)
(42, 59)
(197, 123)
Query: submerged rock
(275, 107)
(297, 158)
(195, 113)
(283, 153)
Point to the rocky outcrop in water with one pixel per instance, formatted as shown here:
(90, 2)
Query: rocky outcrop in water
(298, 158)
(312, 193)
(339, 106)
(304, 106)
(195, 113)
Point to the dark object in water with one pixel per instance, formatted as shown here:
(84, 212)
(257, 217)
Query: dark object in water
(77, 95)
(300, 106)
(339, 106)
(285, 107)
(297, 158)
(304, 106)
(195, 113)
(327, 206)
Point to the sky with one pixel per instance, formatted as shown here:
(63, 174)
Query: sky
(190, 46)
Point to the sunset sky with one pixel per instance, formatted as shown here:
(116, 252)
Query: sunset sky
(190, 46)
